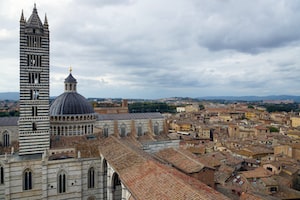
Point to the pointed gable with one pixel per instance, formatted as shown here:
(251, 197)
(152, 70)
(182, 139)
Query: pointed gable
(34, 20)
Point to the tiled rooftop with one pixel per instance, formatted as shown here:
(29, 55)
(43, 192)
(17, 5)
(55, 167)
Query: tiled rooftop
(129, 116)
(147, 179)
(88, 148)
(257, 173)
(182, 160)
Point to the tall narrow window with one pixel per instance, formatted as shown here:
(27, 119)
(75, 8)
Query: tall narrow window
(116, 187)
(91, 178)
(156, 129)
(34, 127)
(140, 130)
(33, 41)
(34, 110)
(105, 130)
(35, 94)
(105, 180)
(6, 139)
(27, 180)
(123, 130)
(34, 60)
(1, 175)
(61, 182)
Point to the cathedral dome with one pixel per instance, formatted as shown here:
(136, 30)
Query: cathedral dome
(70, 103)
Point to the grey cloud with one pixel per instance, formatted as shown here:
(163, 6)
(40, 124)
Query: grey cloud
(157, 48)
(251, 26)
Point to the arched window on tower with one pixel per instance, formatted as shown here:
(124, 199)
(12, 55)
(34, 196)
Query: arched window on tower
(61, 182)
(91, 178)
(34, 126)
(27, 179)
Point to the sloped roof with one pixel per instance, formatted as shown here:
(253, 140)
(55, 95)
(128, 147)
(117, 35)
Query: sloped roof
(34, 20)
(70, 79)
(129, 116)
(9, 121)
(181, 160)
(147, 179)
(70, 103)
(259, 172)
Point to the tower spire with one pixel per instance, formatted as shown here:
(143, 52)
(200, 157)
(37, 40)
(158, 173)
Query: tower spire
(46, 20)
(34, 126)
(22, 17)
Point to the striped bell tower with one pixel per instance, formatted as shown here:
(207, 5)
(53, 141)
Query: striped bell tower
(34, 123)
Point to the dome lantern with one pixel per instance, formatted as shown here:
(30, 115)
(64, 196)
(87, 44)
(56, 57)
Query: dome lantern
(70, 83)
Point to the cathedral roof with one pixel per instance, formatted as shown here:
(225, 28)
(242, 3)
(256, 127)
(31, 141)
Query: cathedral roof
(70, 103)
(9, 121)
(70, 79)
(130, 116)
(34, 20)
(160, 181)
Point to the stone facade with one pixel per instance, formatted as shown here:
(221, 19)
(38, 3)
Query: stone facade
(91, 167)
(134, 124)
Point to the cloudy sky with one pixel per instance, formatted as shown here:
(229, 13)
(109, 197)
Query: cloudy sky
(154, 49)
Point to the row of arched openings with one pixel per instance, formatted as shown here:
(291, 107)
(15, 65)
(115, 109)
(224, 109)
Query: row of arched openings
(61, 179)
(123, 129)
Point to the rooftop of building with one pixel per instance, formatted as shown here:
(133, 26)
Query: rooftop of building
(9, 121)
(161, 181)
(70, 103)
(130, 116)
(181, 159)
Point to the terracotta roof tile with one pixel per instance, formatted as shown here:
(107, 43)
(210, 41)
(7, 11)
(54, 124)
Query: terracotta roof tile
(257, 173)
(182, 160)
(147, 179)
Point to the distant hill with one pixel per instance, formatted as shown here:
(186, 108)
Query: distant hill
(252, 98)
(9, 96)
(15, 96)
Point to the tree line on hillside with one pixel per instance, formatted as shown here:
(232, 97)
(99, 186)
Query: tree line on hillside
(288, 107)
(12, 113)
(142, 107)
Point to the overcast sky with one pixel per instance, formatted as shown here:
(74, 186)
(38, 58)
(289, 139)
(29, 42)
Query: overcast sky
(154, 49)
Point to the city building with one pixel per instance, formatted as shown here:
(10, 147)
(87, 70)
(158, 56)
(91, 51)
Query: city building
(68, 151)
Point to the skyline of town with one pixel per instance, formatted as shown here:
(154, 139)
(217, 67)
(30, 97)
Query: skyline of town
(138, 49)
(73, 147)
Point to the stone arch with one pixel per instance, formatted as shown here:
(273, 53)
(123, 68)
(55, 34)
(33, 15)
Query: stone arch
(62, 181)
(91, 177)
(6, 139)
(116, 187)
(123, 130)
(27, 179)
(104, 179)
(105, 130)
